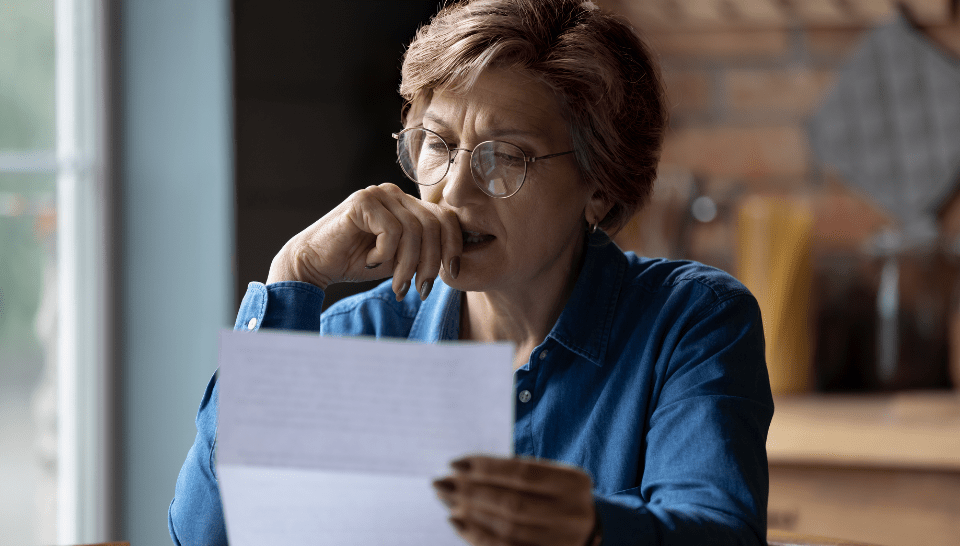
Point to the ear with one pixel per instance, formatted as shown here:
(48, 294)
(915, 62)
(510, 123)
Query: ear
(597, 208)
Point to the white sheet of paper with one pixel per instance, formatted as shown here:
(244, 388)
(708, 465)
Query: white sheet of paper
(326, 440)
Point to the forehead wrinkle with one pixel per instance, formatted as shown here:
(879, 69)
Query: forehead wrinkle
(497, 105)
(494, 126)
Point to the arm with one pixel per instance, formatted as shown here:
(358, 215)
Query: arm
(705, 478)
(195, 515)
(377, 232)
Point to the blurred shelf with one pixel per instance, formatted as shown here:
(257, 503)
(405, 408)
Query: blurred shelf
(904, 430)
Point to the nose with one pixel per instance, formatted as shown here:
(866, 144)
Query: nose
(459, 188)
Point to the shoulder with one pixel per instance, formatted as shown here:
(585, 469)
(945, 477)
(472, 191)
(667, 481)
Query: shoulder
(375, 312)
(696, 287)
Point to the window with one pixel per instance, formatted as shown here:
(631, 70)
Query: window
(53, 210)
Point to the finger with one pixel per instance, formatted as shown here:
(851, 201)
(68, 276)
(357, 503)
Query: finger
(530, 475)
(407, 257)
(555, 532)
(517, 517)
(430, 249)
(451, 241)
(451, 237)
(370, 215)
(476, 533)
(519, 507)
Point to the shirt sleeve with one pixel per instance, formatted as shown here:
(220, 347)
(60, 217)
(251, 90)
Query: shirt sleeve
(705, 477)
(287, 305)
(195, 515)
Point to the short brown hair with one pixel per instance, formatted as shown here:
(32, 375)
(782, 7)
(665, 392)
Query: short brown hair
(604, 75)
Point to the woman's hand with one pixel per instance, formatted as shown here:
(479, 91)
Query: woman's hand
(377, 232)
(495, 501)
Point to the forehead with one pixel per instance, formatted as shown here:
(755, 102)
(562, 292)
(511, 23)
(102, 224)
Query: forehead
(499, 102)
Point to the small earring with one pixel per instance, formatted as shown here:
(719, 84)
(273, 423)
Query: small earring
(593, 228)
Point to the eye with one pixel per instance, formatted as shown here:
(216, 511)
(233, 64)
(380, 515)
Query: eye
(508, 158)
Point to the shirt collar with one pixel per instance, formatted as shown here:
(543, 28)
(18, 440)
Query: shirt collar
(585, 323)
(438, 318)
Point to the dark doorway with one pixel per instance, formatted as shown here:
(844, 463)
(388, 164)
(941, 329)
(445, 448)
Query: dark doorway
(315, 86)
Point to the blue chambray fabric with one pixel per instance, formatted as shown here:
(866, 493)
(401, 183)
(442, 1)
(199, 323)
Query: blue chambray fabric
(653, 380)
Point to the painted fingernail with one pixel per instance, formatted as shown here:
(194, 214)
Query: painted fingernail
(463, 465)
(458, 523)
(455, 267)
(373, 266)
(403, 290)
(446, 485)
(425, 289)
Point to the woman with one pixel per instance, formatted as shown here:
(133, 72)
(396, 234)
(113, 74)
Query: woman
(532, 127)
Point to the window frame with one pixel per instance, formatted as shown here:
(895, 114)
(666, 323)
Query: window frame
(86, 398)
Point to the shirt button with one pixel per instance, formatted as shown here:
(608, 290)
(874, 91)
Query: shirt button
(252, 324)
(543, 354)
(525, 396)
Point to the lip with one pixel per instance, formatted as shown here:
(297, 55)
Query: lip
(468, 234)
(474, 247)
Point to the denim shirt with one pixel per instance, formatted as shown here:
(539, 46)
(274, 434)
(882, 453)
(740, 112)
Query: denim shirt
(653, 381)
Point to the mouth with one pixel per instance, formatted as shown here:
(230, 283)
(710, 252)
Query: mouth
(474, 239)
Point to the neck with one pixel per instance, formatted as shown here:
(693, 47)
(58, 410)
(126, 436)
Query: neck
(523, 315)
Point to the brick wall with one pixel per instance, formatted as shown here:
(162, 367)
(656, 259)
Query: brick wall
(740, 98)
(739, 102)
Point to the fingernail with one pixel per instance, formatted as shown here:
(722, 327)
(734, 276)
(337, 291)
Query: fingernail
(463, 465)
(403, 290)
(425, 289)
(458, 523)
(455, 267)
(373, 266)
(446, 485)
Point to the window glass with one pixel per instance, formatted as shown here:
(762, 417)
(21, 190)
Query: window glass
(27, 274)
(26, 75)
(28, 373)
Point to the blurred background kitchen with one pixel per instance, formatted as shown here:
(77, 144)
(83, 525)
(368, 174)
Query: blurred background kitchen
(155, 155)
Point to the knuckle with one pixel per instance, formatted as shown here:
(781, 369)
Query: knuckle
(391, 188)
(530, 473)
(432, 224)
(410, 220)
(414, 238)
(450, 217)
(514, 503)
(510, 529)
(365, 198)
(404, 268)
(485, 539)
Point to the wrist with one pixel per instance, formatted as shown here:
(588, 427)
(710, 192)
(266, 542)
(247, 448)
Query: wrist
(279, 269)
(288, 265)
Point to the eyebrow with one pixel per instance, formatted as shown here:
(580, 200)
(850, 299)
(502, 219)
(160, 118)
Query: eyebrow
(498, 131)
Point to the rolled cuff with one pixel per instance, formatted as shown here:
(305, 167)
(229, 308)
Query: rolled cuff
(287, 305)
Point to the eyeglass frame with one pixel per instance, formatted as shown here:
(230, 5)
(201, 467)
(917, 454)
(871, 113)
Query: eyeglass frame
(452, 153)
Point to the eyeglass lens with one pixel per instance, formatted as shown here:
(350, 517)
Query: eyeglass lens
(498, 167)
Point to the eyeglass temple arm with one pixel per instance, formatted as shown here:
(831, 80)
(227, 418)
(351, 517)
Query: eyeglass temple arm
(535, 159)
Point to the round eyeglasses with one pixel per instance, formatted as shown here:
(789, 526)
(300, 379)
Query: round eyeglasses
(499, 168)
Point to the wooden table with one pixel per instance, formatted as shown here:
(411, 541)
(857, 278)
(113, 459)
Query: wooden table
(879, 469)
